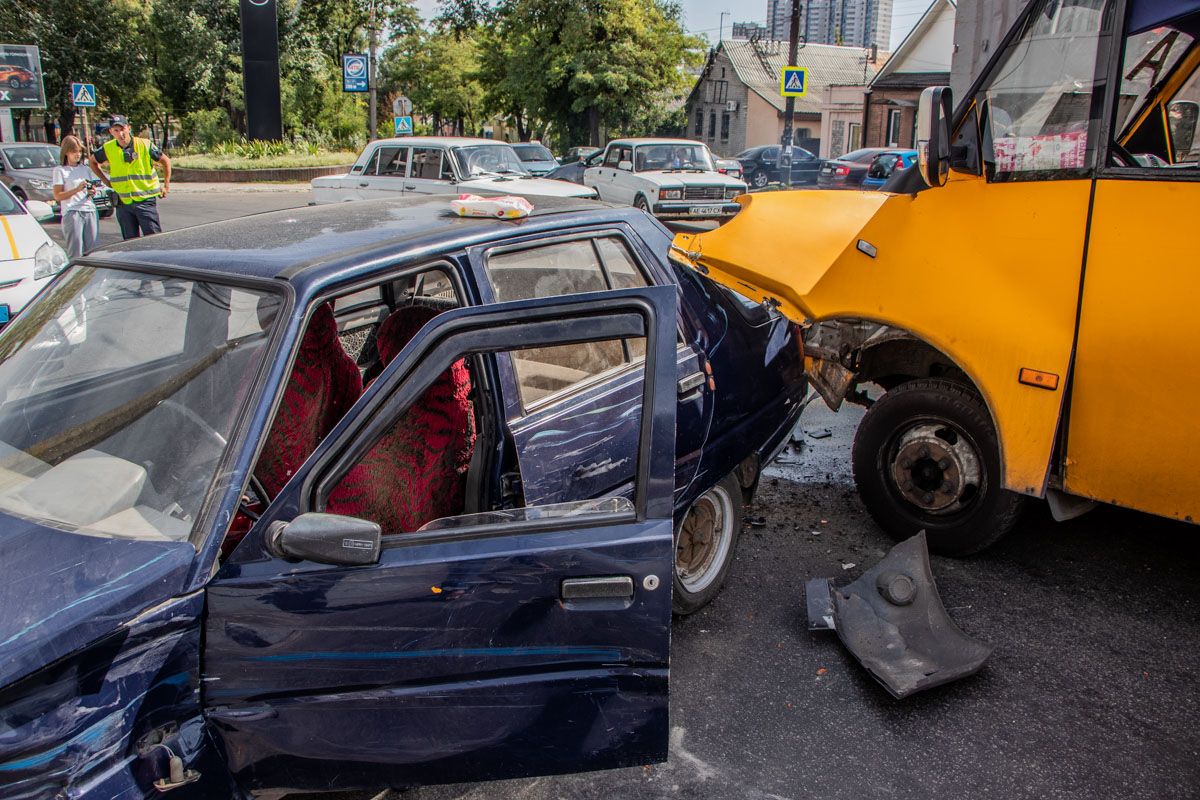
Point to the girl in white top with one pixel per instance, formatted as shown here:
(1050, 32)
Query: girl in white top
(80, 223)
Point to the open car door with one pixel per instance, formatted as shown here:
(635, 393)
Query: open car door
(516, 642)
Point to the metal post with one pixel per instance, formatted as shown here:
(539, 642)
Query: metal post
(371, 74)
(87, 133)
(789, 107)
(721, 30)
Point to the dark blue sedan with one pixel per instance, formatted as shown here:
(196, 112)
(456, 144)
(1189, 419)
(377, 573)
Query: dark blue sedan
(887, 164)
(367, 495)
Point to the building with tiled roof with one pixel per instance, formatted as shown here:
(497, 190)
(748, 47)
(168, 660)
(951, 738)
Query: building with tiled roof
(736, 103)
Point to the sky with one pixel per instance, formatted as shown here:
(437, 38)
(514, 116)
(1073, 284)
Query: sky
(704, 16)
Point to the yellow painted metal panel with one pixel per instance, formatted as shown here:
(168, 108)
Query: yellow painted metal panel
(1134, 434)
(986, 273)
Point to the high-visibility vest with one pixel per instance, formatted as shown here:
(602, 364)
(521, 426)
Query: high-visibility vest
(133, 181)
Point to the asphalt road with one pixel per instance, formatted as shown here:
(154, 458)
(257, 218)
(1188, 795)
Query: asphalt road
(1090, 693)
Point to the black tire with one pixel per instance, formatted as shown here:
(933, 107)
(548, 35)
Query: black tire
(14, 83)
(641, 203)
(20, 194)
(759, 179)
(927, 457)
(717, 514)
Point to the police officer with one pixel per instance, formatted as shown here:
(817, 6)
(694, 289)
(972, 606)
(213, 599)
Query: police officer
(132, 176)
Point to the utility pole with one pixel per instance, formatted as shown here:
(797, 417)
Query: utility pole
(371, 91)
(789, 106)
(721, 29)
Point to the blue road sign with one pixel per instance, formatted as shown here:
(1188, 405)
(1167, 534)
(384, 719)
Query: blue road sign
(793, 82)
(354, 73)
(403, 126)
(83, 95)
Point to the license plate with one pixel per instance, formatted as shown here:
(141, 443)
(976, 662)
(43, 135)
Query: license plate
(698, 211)
(4, 313)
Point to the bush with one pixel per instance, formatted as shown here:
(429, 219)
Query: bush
(207, 129)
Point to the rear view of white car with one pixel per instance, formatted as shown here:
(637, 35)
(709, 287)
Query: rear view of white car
(28, 258)
(670, 178)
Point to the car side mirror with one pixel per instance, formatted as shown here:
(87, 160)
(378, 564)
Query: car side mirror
(933, 135)
(1182, 116)
(625, 165)
(326, 539)
(40, 211)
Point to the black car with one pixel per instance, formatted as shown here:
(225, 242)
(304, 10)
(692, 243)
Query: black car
(760, 165)
(573, 171)
(849, 170)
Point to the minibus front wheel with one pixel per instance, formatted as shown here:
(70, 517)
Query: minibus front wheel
(927, 457)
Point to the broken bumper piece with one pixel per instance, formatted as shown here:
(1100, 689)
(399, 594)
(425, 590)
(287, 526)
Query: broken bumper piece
(892, 620)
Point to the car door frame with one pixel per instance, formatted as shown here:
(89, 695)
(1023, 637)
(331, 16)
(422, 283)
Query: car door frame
(260, 694)
(427, 186)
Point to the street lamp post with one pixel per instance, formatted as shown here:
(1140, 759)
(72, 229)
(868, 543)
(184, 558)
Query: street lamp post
(371, 91)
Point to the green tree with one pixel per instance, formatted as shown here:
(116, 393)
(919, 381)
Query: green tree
(438, 70)
(97, 41)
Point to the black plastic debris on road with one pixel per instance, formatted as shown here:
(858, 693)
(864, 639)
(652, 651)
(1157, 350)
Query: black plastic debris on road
(893, 622)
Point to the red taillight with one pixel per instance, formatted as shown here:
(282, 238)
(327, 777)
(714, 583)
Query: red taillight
(842, 171)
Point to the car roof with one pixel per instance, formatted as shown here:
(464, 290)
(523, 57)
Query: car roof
(651, 140)
(328, 243)
(443, 141)
(11, 145)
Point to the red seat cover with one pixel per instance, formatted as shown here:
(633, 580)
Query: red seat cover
(324, 383)
(417, 472)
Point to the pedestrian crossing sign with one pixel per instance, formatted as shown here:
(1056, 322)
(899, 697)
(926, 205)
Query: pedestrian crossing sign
(793, 82)
(403, 126)
(83, 95)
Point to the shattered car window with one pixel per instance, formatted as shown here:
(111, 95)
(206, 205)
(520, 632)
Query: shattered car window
(118, 395)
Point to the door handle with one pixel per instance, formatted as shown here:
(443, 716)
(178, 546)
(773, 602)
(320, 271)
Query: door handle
(690, 383)
(590, 588)
(363, 185)
(409, 186)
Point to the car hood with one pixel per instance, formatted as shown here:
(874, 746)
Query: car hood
(41, 173)
(60, 591)
(26, 236)
(668, 177)
(527, 186)
(541, 166)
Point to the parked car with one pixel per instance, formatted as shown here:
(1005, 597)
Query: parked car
(579, 154)
(16, 77)
(848, 171)
(536, 158)
(760, 165)
(729, 166)
(573, 171)
(887, 164)
(28, 257)
(196, 491)
(670, 178)
(27, 168)
(437, 165)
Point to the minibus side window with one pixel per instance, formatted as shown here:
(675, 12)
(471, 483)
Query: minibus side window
(1158, 102)
(1039, 100)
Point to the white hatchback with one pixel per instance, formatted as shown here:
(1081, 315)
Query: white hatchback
(28, 258)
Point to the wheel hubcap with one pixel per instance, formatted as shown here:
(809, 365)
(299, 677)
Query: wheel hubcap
(704, 539)
(936, 468)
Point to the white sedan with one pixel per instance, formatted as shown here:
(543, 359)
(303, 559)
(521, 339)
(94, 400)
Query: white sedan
(670, 178)
(28, 258)
(438, 165)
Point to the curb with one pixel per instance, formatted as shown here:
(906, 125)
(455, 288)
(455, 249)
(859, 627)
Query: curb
(282, 174)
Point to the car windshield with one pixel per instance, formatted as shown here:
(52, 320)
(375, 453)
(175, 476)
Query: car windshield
(32, 157)
(489, 159)
(119, 393)
(532, 152)
(649, 157)
(862, 156)
(8, 203)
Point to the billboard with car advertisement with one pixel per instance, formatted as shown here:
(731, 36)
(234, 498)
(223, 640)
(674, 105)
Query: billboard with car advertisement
(21, 77)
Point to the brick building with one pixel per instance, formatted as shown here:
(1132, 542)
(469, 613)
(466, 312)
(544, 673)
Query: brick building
(923, 59)
(736, 103)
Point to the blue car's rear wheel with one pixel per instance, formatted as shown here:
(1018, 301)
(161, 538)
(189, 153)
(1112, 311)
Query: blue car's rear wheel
(705, 544)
